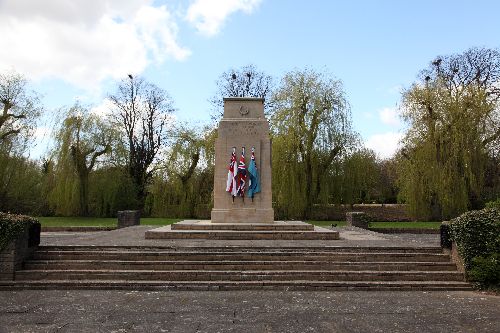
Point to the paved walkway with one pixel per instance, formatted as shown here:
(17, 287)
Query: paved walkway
(134, 236)
(248, 311)
(245, 311)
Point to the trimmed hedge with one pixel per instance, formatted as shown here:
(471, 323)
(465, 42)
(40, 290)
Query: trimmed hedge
(12, 225)
(477, 236)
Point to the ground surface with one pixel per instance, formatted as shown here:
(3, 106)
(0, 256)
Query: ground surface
(245, 311)
(248, 311)
(134, 236)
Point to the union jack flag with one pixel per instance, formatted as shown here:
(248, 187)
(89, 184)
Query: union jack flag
(241, 175)
(231, 182)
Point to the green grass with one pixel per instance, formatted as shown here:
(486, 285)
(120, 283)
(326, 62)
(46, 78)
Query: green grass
(98, 221)
(112, 222)
(405, 225)
(402, 225)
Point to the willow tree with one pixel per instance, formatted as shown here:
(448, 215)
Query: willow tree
(454, 124)
(81, 140)
(311, 127)
(187, 177)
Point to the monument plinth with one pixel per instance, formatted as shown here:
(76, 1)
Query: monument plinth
(242, 210)
(243, 126)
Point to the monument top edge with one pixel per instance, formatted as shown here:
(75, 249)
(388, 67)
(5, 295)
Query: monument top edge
(243, 99)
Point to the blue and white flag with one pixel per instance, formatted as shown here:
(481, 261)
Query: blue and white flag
(254, 182)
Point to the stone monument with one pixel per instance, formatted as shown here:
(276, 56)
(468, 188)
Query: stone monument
(243, 127)
(239, 213)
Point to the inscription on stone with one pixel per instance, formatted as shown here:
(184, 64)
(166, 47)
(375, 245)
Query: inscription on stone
(247, 129)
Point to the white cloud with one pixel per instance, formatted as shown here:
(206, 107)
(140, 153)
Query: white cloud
(385, 144)
(208, 16)
(103, 109)
(85, 41)
(389, 116)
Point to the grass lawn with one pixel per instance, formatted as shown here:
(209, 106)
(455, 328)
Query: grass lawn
(377, 225)
(98, 221)
(405, 225)
(112, 222)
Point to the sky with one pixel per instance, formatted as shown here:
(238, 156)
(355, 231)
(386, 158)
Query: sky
(78, 49)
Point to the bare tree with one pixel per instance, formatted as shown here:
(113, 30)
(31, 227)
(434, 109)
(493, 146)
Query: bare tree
(246, 81)
(21, 107)
(141, 111)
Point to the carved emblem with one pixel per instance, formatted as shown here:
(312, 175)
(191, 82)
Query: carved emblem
(244, 110)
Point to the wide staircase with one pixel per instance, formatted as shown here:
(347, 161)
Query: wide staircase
(239, 268)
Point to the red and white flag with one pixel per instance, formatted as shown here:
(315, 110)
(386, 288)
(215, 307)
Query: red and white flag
(241, 175)
(231, 182)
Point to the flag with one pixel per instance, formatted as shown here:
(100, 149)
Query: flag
(253, 173)
(241, 175)
(231, 182)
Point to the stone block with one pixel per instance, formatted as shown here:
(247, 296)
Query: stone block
(128, 218)
(357, 219)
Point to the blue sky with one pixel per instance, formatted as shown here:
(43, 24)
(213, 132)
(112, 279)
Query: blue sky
(78, 49)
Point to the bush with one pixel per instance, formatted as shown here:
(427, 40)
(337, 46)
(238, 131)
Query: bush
(493, 204)
(477, 236)
(12, 225)
(486, 270)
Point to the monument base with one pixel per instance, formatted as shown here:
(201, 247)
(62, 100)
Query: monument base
(243, 215)
(278, 230)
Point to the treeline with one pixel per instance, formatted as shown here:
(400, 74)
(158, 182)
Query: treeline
(137, 157)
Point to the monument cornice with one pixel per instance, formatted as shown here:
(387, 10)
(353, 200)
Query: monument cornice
(243, 99)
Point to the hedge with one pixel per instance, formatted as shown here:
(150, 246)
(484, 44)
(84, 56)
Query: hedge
(12, 225)
(477, 236)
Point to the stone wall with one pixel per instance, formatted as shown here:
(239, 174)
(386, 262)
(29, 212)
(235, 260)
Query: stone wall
(13, 256)
(375, 212)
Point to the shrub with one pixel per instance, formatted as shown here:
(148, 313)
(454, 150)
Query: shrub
(493, 204)
(477, 236)
(486, 270)
(12, 225)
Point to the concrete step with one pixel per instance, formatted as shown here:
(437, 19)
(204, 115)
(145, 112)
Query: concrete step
(234, 265)
(240, 256)
(316, 234)
(276, 226)
(206, 275)
(253, 249)
(308, 285)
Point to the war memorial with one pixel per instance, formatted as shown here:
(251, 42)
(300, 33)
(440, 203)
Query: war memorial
(242, 184)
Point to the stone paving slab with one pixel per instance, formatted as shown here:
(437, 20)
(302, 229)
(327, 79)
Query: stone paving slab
(134, 236)
(247, 311)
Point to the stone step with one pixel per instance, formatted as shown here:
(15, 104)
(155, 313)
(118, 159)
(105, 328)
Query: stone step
(237, 285)
(231, 249)
(167, 233)
(234, 265)
(206, 275)
(276, 226)
(241, 256)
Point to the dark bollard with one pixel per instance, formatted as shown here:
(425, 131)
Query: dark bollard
(445, 235)
(128, 218)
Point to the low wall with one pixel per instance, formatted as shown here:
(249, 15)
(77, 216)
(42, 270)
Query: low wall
(375, 212)
(13, 256)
